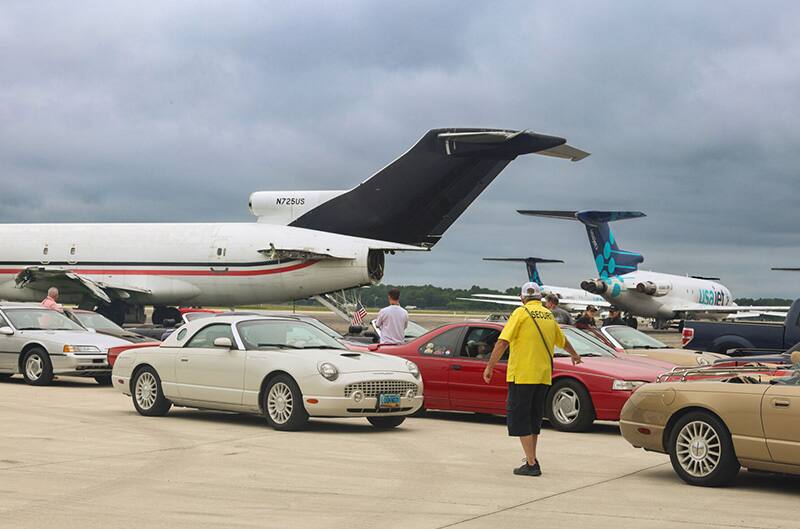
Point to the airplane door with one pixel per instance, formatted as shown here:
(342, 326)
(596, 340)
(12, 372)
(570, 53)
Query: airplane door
(207, 373)
(218, 254)
(780, 414)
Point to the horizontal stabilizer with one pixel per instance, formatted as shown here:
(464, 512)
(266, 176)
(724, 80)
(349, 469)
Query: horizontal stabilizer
(523, 259)
(786, 269)
(587, 217)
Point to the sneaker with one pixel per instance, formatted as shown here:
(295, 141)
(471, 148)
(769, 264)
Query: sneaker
(528, 470)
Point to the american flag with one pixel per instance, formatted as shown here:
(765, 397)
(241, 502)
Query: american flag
(358, 315)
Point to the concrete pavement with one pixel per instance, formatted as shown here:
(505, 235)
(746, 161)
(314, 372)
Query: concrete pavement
(77, 455)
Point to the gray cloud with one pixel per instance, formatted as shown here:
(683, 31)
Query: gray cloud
(177, 111)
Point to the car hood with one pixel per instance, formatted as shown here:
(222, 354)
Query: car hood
(359, 361)
(101, 341)
(619, 367)
(681, 357)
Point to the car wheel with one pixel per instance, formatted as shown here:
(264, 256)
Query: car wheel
(37, 369)
(386, 423)
(569, 407)
(283, 404)
(103, 380)
(701, 450)
(148, 397)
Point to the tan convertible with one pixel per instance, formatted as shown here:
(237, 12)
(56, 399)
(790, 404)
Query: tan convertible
(710, 428)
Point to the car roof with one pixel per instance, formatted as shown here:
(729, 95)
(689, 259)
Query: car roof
(195, 325)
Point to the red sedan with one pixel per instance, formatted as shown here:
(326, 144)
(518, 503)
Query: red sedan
(452, 359)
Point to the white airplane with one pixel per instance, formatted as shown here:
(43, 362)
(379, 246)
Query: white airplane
(663, 297)
(305, 243)
(571, 299)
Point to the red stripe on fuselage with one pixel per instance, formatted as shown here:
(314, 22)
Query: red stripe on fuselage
(145, 272)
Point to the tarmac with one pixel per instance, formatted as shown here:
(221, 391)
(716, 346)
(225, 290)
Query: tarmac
(77, 455)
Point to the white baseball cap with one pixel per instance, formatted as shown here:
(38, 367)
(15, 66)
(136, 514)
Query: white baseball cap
(530, 289)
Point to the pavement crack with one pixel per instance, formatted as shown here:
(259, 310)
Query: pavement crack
(549, 496)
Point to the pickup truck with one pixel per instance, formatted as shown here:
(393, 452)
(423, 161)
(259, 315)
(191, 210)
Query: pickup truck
(721, 336)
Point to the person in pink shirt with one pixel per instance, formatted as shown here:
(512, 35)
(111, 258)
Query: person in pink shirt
(51, 301)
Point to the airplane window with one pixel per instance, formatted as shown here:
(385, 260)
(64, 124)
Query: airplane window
(442, 345)
(44, 251)
(219, 251)
(72, 251)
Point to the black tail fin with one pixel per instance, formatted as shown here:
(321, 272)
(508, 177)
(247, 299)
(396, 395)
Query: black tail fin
(417, 197)
(530, 265)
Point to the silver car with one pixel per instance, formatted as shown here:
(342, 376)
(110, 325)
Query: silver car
(40, 343)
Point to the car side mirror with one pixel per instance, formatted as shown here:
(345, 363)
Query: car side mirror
(91, 329)
(223, 341)
(6, 330)
(373, 346)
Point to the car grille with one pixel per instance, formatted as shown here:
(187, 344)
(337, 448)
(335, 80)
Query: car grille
(373, 388)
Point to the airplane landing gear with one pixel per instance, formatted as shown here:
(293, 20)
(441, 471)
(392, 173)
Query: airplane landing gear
(161, 313)
(661, 324)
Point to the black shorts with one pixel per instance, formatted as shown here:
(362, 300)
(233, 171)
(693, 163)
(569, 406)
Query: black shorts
(525, 408)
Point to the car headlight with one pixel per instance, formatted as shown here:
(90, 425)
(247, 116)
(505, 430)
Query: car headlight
(412, 368)
(328, 370)
(626, 385)
(81, 349)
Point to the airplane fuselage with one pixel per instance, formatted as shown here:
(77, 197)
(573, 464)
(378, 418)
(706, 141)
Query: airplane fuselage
(671, 293)
(173, 264)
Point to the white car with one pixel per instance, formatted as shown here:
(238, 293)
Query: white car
(286, 369)
(41, 343)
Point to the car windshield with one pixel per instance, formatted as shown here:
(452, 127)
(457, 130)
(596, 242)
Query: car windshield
(41, 320)
(324, 328)
(270, 334)
(414, 330)
(584, 345)
(93, 320)
(630, 338)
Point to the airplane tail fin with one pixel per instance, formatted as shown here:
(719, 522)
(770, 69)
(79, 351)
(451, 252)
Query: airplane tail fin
(609, 258)
(530, 265)
(414, 199)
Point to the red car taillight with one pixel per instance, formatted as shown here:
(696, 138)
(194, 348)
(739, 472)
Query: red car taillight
(687, 335)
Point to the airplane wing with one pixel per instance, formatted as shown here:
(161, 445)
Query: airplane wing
(733, 309)
(44, 277)
(572, 305)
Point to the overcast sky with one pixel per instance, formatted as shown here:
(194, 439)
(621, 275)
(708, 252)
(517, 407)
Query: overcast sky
(177, 111)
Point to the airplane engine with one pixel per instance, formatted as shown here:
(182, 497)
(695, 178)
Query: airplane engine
(375, 262)
(595, 286)
(651, 289)
(282, 207)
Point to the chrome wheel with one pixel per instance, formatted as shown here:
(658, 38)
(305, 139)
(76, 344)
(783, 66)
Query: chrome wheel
(698, 449)
(146, 390)
(566, 405)
(34, 366)
(280, 403)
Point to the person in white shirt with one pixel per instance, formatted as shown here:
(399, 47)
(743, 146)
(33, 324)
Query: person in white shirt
(392, 320)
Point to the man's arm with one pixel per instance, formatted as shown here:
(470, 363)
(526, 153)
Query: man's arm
(576, 358)
(500, 347)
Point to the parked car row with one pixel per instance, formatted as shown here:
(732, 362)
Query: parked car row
(711, 413)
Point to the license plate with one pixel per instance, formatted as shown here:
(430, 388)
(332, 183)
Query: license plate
(389, 401)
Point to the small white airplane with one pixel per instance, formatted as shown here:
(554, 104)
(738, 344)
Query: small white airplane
(571, 299)
(663, 297)
(305, 243)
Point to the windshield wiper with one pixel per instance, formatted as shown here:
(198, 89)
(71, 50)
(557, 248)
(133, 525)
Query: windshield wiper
(278, 345)
(30, 329)
(320, 347)
(645, 347)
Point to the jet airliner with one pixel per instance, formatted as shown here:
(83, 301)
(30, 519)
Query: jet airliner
(304, 243)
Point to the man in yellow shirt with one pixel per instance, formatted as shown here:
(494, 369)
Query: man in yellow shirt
(532, 334)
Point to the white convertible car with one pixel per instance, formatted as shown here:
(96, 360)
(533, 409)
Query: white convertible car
(286, 369)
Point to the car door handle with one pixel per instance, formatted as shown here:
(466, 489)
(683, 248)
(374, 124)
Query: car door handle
(455, 367)
(184, 359)
(780, 403)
